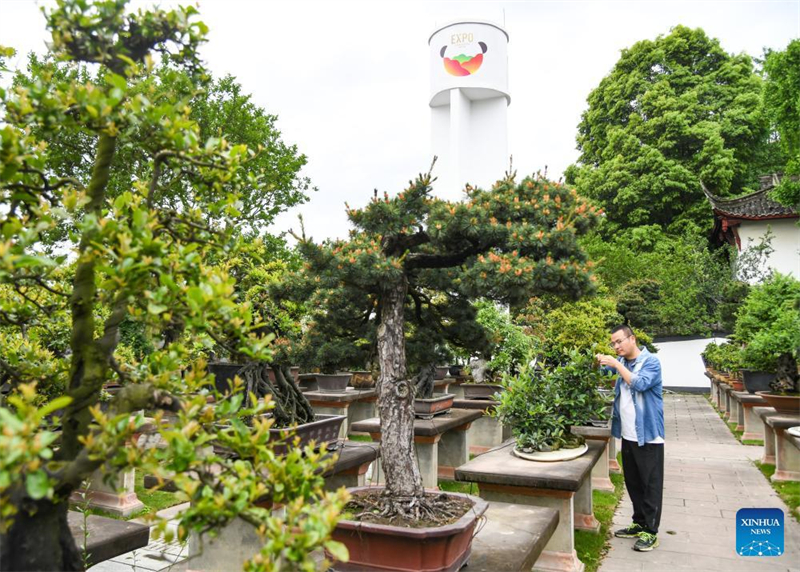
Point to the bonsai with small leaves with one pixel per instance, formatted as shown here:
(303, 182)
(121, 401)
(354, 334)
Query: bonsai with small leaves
(505, 244)
(133, 257)
(768, 324)
(542, 404)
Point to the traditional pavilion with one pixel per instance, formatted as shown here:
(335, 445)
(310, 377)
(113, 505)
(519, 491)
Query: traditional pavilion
(744, 220)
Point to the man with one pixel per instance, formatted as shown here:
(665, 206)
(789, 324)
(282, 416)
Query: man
(638, 419)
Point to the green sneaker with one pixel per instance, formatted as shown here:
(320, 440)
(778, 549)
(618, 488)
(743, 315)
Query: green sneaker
(631, 532)
(646, 542)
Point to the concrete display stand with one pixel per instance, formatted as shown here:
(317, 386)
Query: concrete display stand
(356, 404)
(724, 402)
(487, 431)
(763, 413)
(441, 443)
(752, 425)
(601, 479)
(565, 486)
(787, 457)
(116, 497)
(106, 538)
(737, 411)
(613, 464)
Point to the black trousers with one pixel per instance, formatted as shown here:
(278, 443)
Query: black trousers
(643, 468)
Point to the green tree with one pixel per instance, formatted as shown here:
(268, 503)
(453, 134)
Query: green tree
(129, 256)
(505, 244)
(673, 111)
(782, 105)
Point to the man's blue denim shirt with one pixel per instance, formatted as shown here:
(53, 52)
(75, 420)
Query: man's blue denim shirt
(647, 383)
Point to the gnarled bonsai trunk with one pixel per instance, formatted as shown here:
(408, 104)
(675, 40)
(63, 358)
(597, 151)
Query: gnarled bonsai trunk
(396, 400)
(39, 538)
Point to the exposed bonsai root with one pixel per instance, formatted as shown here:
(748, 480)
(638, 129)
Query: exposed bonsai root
(430, 509)
(291, 406)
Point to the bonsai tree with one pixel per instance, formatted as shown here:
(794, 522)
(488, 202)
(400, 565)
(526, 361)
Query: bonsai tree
(128, 256)
(506, 244)
(768, 324)
(541, 404)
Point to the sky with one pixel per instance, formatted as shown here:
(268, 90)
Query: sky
(349, 81)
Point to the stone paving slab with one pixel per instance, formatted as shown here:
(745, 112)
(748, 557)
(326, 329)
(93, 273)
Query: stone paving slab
(708, 477)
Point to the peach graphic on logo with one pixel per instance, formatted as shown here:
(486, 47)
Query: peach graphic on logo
(462, 64)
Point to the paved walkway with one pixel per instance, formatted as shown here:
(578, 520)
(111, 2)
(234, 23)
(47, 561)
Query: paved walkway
(708, 476)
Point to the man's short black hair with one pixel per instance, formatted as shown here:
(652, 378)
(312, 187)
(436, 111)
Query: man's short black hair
(624, 328)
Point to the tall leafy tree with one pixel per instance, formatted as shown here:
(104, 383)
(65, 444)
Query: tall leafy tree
(130, 253)
(506, 244)
(673, 111)
(782, 104)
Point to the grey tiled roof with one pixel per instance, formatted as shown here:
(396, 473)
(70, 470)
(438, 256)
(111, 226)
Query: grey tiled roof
(754, 206)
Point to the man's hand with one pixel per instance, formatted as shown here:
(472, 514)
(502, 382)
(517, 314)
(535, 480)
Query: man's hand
(608, 361)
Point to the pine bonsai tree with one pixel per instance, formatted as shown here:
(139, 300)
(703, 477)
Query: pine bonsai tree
(507, 244)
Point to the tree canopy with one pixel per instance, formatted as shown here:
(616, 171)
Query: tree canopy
(673, 111)
(130, 252)
(782, 104)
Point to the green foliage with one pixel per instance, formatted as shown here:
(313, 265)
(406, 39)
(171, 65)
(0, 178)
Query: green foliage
(542, 404)
(148, 208)
(768, 324)
(674, 111)
(725, 357)
(511, 345)
(673, 284)
(782, 105)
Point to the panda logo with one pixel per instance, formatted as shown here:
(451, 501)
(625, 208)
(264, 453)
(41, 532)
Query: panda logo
(462, 64)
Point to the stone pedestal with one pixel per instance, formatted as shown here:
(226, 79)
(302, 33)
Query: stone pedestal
(768, 457)
(723, 399)
(737, 412)
(613, 464)
(787, 456)
(341, 403)
(601, 479)
(487, 431)
(116, 496)
(753, 427)
(441, 443)
(564, 486)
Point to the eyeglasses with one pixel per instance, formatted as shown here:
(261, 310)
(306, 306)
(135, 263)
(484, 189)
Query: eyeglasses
(614, 344)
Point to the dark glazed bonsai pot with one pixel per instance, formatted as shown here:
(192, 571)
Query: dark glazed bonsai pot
(481, 390)
(442, 372)
(757, 380)
(333, 383)
(381, 547)
(323, 430)
(307, 382)
(223, 374)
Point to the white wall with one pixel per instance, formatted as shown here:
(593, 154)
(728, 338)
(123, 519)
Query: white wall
(785, 241)
(681, 364)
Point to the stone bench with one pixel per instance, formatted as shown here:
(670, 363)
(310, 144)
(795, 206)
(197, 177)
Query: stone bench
(565, 486)
(441, 443)
(106, 538)
(487, 431)
(356, 404)
(513, 537)
(748, 421)
(601, 479)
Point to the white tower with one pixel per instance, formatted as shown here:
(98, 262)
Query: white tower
(469, 105)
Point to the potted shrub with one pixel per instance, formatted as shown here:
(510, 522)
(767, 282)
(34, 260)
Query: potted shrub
(768, 324)
(543, 404)
(418, 252)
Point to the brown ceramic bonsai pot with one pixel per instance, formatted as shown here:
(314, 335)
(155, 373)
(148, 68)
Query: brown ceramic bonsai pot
(442, 372)
(789, 404)
(362, 379)
(307, 382)
(323, 430)
(737, 384)
(481, 390)
(333, 383)
(438, 405)
(381, 547)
